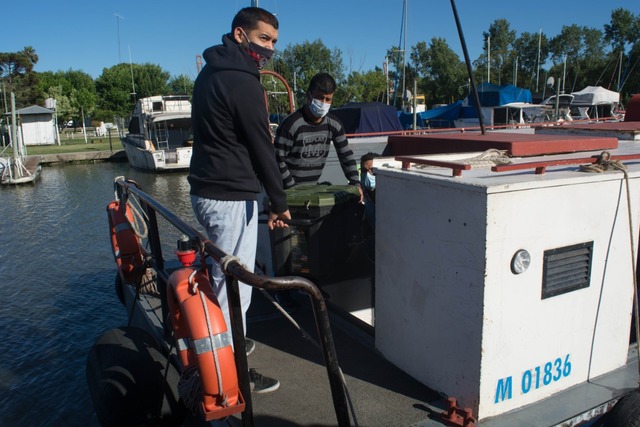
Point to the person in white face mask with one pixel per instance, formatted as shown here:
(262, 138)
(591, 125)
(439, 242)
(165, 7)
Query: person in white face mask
(304, 138)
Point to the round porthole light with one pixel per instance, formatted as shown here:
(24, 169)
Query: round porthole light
(520, 261)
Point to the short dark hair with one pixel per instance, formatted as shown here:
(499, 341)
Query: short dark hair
(368, 156)
(249, 17)
(323, 82)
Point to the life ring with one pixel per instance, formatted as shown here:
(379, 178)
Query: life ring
(127, 249)
(204, 345)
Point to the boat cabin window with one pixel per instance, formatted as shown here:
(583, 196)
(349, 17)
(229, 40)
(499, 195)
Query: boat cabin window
(157, 106)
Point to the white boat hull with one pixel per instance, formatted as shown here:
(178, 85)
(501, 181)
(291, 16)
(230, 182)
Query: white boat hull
(149, 159)
(26, 175)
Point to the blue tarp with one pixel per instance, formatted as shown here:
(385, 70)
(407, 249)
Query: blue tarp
(365, 117)
(441, 117)
(493, 96)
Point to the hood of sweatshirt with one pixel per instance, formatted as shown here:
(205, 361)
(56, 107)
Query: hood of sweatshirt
(230, 56)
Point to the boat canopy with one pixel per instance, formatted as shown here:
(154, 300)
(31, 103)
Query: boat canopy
(368, 117)
(441, 117)
(493, 96)
(595, 95)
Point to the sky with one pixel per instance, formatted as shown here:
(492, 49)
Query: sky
(89, 37)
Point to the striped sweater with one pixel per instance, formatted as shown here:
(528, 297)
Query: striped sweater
(302, 149)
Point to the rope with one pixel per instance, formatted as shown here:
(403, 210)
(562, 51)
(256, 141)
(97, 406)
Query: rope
(605, 163)
(190, 388)
(224, 262)
(486, 159)
(214, 350)
(633, 266)
(138, 217)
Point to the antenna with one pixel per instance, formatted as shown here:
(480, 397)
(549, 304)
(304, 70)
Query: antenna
(118, 18)
(133, 86)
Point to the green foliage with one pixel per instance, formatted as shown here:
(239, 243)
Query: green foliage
(16, 70)
(582, 56)
(299, 63)
(120, 86)
(500, 40)
(366, 86)
(444, 74)
(181, 85)
(74, 92)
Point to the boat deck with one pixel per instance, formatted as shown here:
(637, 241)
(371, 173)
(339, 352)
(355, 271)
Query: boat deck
(381, 394)
(628, 131)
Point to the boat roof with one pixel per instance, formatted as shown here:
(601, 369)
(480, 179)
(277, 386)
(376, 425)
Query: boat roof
(171, 116)
(516, 143)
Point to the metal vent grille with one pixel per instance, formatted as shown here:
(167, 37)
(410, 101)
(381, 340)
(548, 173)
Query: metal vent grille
(566, 269)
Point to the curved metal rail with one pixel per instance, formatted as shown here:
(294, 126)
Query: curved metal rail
(234, 272)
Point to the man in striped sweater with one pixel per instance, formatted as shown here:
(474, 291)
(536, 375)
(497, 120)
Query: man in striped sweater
(303, 139)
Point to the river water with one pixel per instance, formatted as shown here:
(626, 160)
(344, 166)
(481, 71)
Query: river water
(57, 286)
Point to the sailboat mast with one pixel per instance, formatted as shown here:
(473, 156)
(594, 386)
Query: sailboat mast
(404, 52)
(538, 59)
(133, 85)
(17, 171)
(14, 133)
(620, 72)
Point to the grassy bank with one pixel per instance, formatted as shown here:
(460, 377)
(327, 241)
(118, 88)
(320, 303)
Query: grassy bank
(75, 145)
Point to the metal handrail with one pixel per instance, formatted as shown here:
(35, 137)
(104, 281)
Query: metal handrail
(235, 272)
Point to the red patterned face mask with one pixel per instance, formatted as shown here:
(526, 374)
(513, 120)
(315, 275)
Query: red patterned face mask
(259, 54)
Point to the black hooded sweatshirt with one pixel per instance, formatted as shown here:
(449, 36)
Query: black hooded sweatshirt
(232, 151)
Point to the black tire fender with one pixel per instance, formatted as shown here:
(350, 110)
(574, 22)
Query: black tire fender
(126, 378)
(625, 413)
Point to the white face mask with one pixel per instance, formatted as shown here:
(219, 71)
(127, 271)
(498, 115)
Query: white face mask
(318, 108)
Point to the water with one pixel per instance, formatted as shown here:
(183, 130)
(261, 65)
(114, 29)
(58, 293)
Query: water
(57, 286)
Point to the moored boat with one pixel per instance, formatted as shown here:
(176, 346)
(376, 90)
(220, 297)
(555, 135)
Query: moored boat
(497, 283)
(18, 169)
(159, 137)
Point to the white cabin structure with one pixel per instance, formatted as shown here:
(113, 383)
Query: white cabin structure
(37, 125)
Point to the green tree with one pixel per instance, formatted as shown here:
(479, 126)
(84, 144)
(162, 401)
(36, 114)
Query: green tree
(499, 42)
(54, 85)
(181, 85)
(444, 75)
(16, 70)
(366, 86)
(532, 51)
(277, 95)
(402, 73)
(299, 63)
(83, 94)
(115, 87)
(74, 92)
(624, 31)
(577, 55)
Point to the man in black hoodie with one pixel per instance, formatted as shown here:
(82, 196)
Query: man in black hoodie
(233, 156)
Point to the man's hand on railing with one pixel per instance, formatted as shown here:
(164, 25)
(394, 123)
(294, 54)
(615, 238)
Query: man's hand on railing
(278, 220)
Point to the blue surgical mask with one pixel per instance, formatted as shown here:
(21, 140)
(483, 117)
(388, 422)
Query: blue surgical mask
(318, 108)
(369, 181)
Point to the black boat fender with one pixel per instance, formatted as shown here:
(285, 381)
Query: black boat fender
(625, 413)
(126, 374)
